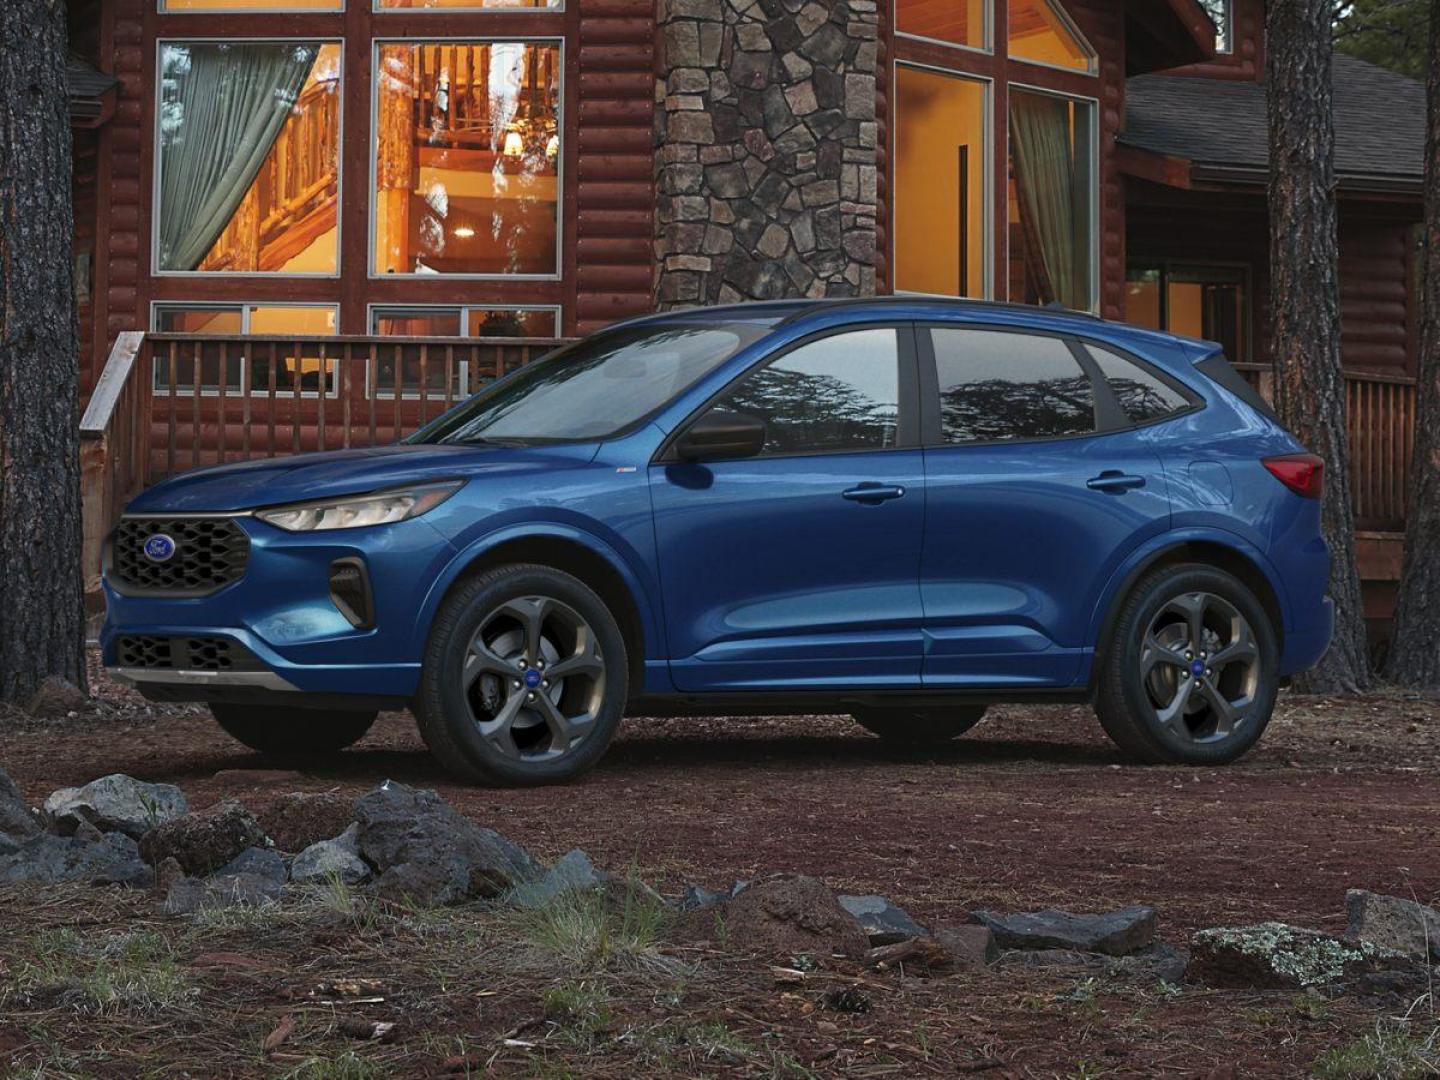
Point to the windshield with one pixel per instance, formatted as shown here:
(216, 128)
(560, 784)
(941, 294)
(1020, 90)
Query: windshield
(594, 388)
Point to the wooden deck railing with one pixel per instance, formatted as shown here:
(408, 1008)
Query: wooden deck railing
(285, 395)
(114, 445)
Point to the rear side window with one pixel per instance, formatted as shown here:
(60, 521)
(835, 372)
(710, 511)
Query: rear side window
(838, 393)
(1142, 394)
(996, 386)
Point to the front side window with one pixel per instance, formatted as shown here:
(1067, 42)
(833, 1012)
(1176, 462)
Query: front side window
(835, 394)
(249, 148)
(467, 158)
(1143, 395)
(997, 386)
(1053, 200)
(594, 388)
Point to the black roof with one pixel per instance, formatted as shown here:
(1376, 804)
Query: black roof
(1221, 125)
(86, 87)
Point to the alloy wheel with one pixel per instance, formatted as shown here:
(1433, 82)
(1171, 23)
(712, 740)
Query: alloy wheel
(534, 678)
(1200, 667)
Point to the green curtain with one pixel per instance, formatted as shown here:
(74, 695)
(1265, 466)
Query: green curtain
(1051, 191)
(222, 108)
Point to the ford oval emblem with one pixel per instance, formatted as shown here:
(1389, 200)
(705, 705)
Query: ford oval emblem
(159, 548)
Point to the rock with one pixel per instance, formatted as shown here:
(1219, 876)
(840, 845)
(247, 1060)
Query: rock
(572, 872)
(422, 849)
(166, 874)
(696, 897)
(972, 945)
(115, 803)
(189, 895)
(331, 859)
(1391, 922)
(297, 820)
(1157, 963)
(1273, 956)
(1114, 933)
(56, 699)
(882, 921)
(786, 915)
(259, 862)
(43, 859)
(17, 820)
(203, 842)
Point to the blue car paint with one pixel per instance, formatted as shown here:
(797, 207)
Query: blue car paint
(997, 569)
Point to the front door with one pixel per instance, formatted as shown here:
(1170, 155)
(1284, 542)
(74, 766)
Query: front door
(799, 568)
(1037, 488)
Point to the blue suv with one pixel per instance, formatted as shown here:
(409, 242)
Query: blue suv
(904, 509)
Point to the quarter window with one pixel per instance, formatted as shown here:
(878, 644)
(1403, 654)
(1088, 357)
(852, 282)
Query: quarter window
(998, 386)
(836, 394)
(1142, 395)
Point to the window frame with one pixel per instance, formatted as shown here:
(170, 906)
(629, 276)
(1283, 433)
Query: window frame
(375, 307)
(988, 35)
(1167, 266)
(382, 392)
(908, 415)
(1092, 69)
(244, 389)
(158, 156)
(558, 39)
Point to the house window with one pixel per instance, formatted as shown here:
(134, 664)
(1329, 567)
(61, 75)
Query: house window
(1054, 200)
(466, 5)
(1209, 302)
(941, 141)
(243, 361)
(1222, 14)
(1042, 33)
(252, 5)
(249, 146)
(481, 321)
(954, 22)
(467, 158)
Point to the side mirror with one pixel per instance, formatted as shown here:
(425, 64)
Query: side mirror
(718, 435)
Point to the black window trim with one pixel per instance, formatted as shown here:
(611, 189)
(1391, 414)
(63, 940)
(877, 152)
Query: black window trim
(908, 420)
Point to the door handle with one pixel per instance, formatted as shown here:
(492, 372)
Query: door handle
(873, 493)
(1114, 481)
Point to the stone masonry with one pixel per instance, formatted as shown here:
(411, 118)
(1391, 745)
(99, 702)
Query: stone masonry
(765, 160)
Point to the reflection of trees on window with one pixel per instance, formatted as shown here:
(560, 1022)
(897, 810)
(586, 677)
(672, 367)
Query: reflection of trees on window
(1219, 12)
(806, 411)
(1142, 395)
(1009, 409)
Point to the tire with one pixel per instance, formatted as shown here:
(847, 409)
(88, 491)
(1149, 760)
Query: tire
(486, 706)
(1162, 699)
(291, 732)
(920, 727)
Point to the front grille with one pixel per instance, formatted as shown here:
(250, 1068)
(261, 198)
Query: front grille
(184, 653)
(208, 553)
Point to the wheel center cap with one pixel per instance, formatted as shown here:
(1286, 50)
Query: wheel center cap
(1197, 668)
(532, 678)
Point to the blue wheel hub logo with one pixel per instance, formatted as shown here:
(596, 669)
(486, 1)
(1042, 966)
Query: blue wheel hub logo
(532, 678)
(1197, 668)
(159, 548)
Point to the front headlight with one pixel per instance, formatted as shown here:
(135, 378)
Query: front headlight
(355, 511)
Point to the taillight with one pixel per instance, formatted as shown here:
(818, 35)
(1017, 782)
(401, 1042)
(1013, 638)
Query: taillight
(1303, 474)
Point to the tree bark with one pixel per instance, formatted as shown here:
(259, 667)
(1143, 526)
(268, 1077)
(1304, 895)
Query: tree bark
(1414, 656)
(41, 607)
(1305, 303)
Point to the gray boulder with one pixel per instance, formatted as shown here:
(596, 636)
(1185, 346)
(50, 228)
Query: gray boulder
(882, 921)
(1274, 956)
(696, 897)
(17, 820)
(116, 803)
(1114, 933)
(203, 842)
(422, 849)
(337, 858)
(1156, 963)
(1393, 923)
(971, 945)
(189, 895)
(572, 872)
(43, 859)
(257, 862)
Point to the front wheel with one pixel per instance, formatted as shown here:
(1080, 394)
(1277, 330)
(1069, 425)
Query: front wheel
(524, 678)
(920, 727)
(1191, 672)
(292, 732)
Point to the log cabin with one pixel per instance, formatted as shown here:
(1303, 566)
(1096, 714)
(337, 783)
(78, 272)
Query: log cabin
(307, 224)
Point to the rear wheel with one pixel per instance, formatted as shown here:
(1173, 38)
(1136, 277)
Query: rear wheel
(524, 679)
(1191, 671)
(291, 732)
(920, 727)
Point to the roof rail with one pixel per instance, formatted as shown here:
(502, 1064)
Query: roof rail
(959, 301)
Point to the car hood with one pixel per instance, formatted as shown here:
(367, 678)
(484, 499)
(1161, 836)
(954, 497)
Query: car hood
(304, 477)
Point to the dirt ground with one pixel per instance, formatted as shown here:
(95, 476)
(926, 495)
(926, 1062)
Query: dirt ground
(1033, 809)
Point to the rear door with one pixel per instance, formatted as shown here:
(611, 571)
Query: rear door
(1038, 484)
(799, 568)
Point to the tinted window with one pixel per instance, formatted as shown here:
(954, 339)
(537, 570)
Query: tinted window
(1143, 395)
(841, 392)
(996, 385)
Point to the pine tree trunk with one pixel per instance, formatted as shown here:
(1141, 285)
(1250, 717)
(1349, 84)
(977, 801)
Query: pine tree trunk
(1414, 656)
(1305, 303)
(41, 607)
